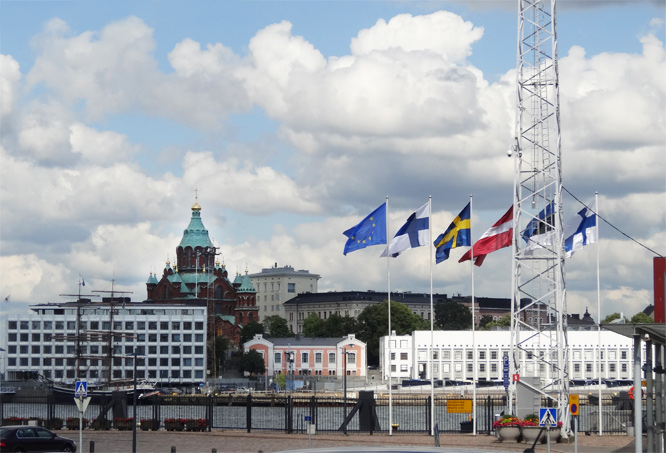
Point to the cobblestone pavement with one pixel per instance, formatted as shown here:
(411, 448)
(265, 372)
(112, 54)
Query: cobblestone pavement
(264, 441)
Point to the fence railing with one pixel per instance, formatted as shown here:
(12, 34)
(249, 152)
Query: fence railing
(288, 413)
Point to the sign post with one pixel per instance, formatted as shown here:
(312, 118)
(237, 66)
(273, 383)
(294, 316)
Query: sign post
(574, 408)
(548, 418)
(81, 399)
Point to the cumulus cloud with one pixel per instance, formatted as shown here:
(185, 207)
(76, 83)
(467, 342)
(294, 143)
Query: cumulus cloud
(10, 75)
(403, 114)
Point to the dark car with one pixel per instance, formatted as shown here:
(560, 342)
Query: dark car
(32, 438)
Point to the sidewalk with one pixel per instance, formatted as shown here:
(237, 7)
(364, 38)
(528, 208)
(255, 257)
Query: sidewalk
(271, 441)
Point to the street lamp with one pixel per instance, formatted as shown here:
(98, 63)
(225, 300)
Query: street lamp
(136, 355)
(344, 385)
(1, 414)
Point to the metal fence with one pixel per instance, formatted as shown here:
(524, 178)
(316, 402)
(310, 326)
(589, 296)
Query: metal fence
(292, 413)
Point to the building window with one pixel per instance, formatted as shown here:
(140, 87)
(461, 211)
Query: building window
(304, 357)
(278, 357)
(331, 357)
(470, 355)
(351, 357)
(403, 368)
(317, 357)
(404, 356)
(291, 287)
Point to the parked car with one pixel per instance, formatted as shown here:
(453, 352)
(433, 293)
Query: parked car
(33, 439)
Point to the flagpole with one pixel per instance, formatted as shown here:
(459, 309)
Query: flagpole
(471, 210)
(596, 207)
(390, 360)
(432, 330)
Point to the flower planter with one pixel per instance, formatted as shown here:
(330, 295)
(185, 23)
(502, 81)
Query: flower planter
(149, 425)
(174, 425)
(508, 433)
(123, 424)
(102, 424)
(195, 425)
(73, 423)
(530, 434)
(53, 424)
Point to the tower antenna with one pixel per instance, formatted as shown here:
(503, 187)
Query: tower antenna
(539, 348)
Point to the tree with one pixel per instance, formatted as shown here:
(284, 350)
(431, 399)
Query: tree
(313, 326)
(505, 321)
(484, 321)
(452, 316)
(611, 317)
(373, 324)
(276, 327)
(218, 354)
(252, 362)
(337, 326)
(281, 381)
(641, 318)
(249, 330)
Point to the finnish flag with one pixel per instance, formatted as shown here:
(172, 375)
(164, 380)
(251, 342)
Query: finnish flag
(581, 230)
(414, 233)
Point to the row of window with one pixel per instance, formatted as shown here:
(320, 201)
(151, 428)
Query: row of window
(117, 362)
(493, 355)
(318, 356)
(105, 325)
(141, 337)
(275, 286)
(103, 349)
(446, 368)
(128, 374)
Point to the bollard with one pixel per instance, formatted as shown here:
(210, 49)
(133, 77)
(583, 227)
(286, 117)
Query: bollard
(214, 450)
(173, 449)
(91, 449)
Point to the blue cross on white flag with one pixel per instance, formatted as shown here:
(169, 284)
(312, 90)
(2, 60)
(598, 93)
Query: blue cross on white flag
(414, 233)
(581, 230)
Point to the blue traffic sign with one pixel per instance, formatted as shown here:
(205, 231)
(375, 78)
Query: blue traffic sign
(81, 389)
(548, 416)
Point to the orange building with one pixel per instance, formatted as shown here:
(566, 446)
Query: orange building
(311, 356)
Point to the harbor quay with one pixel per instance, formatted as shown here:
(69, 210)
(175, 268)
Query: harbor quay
(254, 442)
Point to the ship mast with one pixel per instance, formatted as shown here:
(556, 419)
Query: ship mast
(111, 335)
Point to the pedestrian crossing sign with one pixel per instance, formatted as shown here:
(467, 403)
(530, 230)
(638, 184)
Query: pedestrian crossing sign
(548, 416)
(81, 389)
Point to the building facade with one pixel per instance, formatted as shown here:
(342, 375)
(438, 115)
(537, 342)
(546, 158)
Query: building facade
(57, 340)
(452, 355)
(276, 285)
(311, 356)
(352, 303)
(198, 278)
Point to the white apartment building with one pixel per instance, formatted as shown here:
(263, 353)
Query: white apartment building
(276, 285)
(452, 355)
(172, 339)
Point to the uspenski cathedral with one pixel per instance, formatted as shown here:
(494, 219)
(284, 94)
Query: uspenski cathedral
(197, 278)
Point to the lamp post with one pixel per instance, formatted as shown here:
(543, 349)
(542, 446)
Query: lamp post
(1, 408)
(344, 384)
(136, 355)
(344, 389)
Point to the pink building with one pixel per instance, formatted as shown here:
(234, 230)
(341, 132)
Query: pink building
(311, 356)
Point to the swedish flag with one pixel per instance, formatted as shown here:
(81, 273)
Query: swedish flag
(456, 235)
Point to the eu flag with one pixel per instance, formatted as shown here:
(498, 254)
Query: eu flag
(456, 235)
(371, 231)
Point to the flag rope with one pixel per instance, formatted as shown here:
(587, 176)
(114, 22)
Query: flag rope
(613, 226)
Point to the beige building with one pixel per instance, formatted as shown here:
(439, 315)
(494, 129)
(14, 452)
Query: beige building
(276, 285)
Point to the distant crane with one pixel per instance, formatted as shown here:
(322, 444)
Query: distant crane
(538, 307)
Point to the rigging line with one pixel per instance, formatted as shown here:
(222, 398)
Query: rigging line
(613, 226)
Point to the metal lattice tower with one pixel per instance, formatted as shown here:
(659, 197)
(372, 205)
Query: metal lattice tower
(539, 346)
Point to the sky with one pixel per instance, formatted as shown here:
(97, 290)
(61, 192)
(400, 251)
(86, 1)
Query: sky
(292, 120)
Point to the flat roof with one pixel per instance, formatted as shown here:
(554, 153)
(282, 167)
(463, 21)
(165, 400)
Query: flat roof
(657, 331)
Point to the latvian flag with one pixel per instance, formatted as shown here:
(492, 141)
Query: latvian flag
(497, 237)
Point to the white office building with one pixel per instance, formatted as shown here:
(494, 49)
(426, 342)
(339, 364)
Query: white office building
(452, 355)
(172, 339)
(276, 285)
